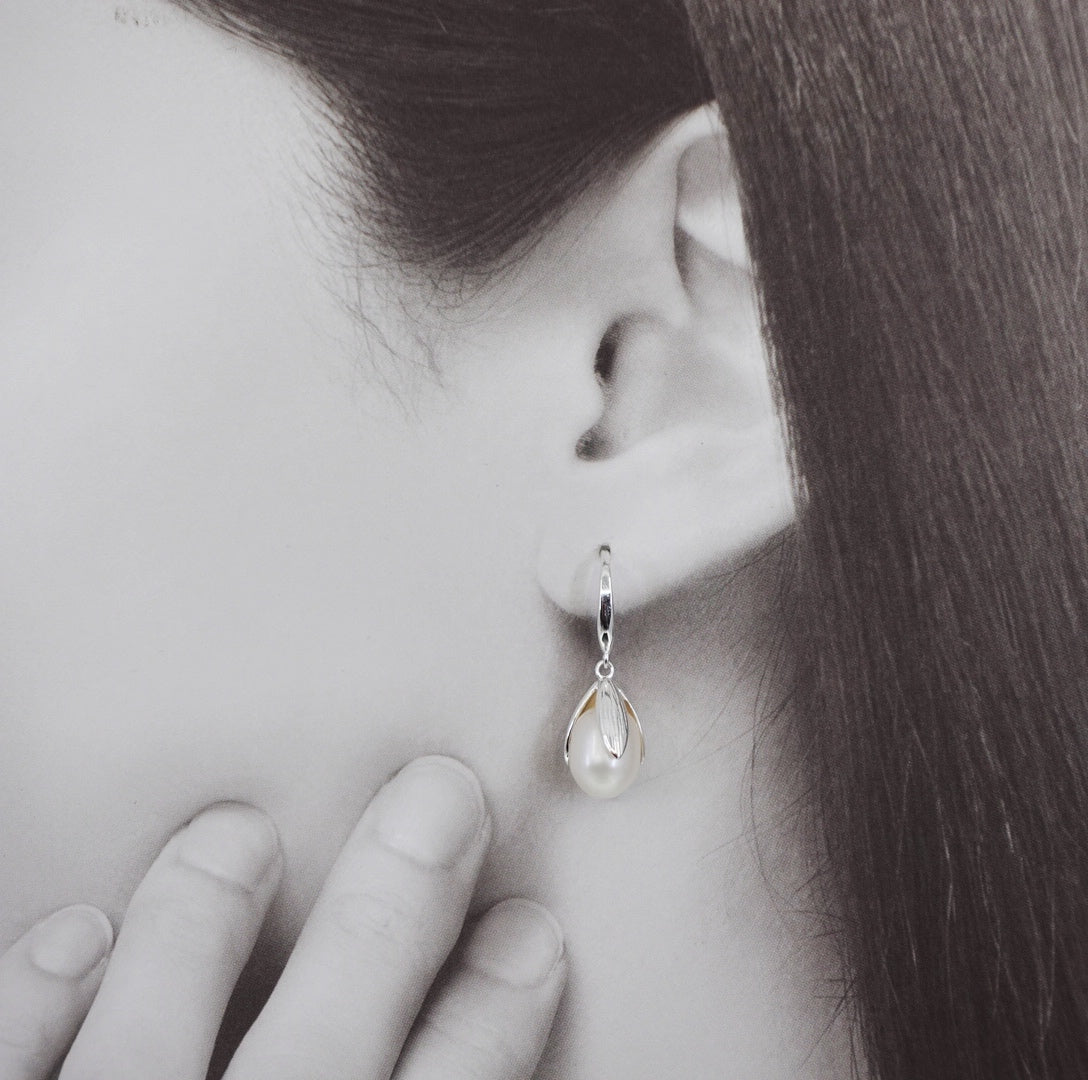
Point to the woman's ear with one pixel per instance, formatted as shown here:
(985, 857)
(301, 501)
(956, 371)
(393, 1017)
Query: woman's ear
(685, 468)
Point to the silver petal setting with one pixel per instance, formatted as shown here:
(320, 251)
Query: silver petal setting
(615, 717)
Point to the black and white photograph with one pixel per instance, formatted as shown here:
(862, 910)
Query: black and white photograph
(543, 540)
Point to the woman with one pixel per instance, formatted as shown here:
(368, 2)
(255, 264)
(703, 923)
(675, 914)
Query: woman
(412, 303)
(327, 379)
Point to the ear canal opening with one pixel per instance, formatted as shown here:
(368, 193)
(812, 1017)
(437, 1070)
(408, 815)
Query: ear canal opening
(680, 254)
(592, 444)
(604, 363)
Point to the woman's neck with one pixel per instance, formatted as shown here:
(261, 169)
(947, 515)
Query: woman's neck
(690, 930)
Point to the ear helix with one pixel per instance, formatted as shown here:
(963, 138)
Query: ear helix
(708, 203)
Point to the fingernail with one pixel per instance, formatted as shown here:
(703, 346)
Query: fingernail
(71, 943)
(232, 842)
(517, 942)
(432, 811)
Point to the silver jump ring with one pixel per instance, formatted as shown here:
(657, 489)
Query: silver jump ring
(605, 669)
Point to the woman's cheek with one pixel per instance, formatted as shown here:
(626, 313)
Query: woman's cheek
(269, 595)
(241, 554)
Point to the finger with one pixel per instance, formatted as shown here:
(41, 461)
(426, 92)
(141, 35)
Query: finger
(491, 1018)
(188, 930)
(47, 982)
(389, 913)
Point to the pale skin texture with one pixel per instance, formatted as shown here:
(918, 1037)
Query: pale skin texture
(248, 553)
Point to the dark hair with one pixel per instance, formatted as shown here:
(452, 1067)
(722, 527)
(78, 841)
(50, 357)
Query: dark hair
(914, 176)
(473, 123)
(915, 203)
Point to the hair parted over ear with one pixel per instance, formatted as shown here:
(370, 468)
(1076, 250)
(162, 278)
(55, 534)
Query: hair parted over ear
(917, 206)
(685, 468)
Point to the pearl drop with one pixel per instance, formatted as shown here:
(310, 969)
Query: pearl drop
(594, 769)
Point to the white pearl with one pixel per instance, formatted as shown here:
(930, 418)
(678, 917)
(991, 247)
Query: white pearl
(594, 769)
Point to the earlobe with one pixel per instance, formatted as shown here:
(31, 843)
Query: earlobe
(686, 468)
(686, 501)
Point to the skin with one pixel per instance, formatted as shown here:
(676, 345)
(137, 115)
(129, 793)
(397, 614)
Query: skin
(264, 538)
(351, 1002)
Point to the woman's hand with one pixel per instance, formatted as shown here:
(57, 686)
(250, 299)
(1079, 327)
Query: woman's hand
(361, 997)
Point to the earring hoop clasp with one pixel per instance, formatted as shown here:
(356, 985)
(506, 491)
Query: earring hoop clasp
(606, 617)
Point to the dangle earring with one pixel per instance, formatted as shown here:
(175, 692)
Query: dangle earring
(604, 746)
